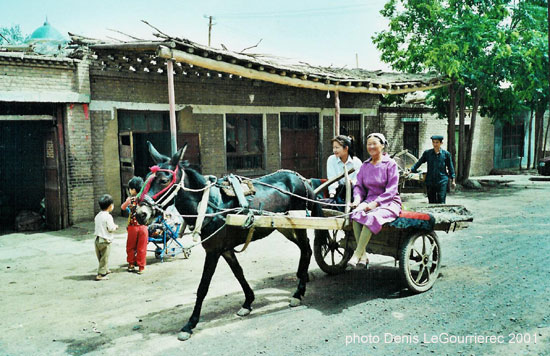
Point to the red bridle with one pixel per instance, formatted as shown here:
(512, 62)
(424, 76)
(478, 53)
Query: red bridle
(147, 186)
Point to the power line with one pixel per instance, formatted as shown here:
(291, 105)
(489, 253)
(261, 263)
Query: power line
(339, 10)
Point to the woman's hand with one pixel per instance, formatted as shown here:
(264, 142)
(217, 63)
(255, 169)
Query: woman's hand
(371, 206)
(362, 207)
(355, 203)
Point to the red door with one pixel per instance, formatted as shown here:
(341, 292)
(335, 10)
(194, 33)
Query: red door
(300, 143)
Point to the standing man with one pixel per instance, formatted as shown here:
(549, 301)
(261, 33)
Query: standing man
(440, 168)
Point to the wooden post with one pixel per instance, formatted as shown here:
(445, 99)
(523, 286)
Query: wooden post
(336, 113)
(348, 193)
(172, 102)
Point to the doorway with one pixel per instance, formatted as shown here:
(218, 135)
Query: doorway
(300, 143)
(350, 125)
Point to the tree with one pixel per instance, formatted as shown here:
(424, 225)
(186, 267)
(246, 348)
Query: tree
(466, 40)
(11, 35)
(526, 71)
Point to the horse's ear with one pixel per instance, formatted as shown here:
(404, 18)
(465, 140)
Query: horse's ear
(155, 155)
(178, 157)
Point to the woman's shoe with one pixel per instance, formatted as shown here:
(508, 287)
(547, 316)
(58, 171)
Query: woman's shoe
(131, 268)
(363, 262)
(353, 261)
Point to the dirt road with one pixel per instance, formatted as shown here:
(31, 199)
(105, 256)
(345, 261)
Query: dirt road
(493, 297)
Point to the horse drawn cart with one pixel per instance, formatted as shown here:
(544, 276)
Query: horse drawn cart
(411, 239)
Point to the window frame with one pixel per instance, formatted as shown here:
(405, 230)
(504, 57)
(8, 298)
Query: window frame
(239, 153)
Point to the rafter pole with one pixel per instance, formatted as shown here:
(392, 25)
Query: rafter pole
(336, 113)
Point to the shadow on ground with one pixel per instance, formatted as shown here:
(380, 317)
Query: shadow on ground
(327, 294)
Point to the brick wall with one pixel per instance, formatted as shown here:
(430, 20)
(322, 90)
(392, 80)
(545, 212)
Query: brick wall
(154, 89)
(483, 143)
(80, 180)
(105, 166)
(37, 78)
(273, 149)
(212, 143)
(44, 77)
(483, 149)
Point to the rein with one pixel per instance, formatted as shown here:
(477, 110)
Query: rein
(162, 198)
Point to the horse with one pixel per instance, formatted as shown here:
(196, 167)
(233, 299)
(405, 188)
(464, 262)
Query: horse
(278, 192)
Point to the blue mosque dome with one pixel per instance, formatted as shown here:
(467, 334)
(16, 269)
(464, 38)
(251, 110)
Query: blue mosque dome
(46, 33)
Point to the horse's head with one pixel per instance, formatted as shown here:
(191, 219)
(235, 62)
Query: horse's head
(160, 184)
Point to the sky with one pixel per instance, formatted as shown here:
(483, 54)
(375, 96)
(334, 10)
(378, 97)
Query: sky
(318, 32)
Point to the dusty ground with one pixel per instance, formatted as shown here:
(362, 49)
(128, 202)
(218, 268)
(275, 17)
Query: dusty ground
(495, 283)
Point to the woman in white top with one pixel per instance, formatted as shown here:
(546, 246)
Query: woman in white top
(342, 147)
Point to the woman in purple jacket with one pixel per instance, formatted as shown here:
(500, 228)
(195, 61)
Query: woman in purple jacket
(376, 199)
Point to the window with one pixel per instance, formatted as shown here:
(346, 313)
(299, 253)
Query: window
(244, 142)
(512, 140)
(143, 121)
(410, 137)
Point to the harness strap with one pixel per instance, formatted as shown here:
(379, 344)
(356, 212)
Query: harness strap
(236, 184)
(248, 239)
(201, 209)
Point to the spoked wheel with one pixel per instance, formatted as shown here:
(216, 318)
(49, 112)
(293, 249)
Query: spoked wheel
(332, 250)
(420, 260)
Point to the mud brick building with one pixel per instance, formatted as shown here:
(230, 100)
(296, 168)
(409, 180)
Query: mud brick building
(75, 124)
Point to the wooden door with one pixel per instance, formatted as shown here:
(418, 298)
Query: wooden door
(53, 181)
(126, 154)
(300, 143)
(350, 125)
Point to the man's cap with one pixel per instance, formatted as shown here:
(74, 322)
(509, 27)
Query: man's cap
(437, 137)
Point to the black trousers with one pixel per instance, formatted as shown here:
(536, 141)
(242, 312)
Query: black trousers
(437, 193)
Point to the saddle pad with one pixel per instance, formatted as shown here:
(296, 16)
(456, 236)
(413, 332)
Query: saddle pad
(247, 187)
(414, 220)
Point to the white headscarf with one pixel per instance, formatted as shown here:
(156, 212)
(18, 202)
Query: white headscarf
(378, 136)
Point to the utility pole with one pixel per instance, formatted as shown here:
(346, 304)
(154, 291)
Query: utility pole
(209, 29)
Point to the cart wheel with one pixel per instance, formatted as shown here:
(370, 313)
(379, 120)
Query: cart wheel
(331, 250)
(420, 260)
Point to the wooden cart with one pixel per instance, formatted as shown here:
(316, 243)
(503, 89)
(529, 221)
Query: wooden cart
(417, 250)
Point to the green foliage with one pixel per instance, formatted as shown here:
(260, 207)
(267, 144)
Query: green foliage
(479, 44)
(11, 35)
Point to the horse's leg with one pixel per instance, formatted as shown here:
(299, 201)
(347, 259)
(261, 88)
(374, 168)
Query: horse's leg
(299, 237)
(233, 263)
(210, 263)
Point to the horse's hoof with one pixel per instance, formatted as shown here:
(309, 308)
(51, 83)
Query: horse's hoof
(295, 302)
(183, 336)
(243, 312)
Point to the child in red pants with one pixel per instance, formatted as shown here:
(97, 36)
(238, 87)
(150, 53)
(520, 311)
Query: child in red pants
(136, 244)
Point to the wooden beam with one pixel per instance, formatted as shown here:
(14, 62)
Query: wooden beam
(288, 222)
(26, 118)
(133, 46)
(250, 73)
